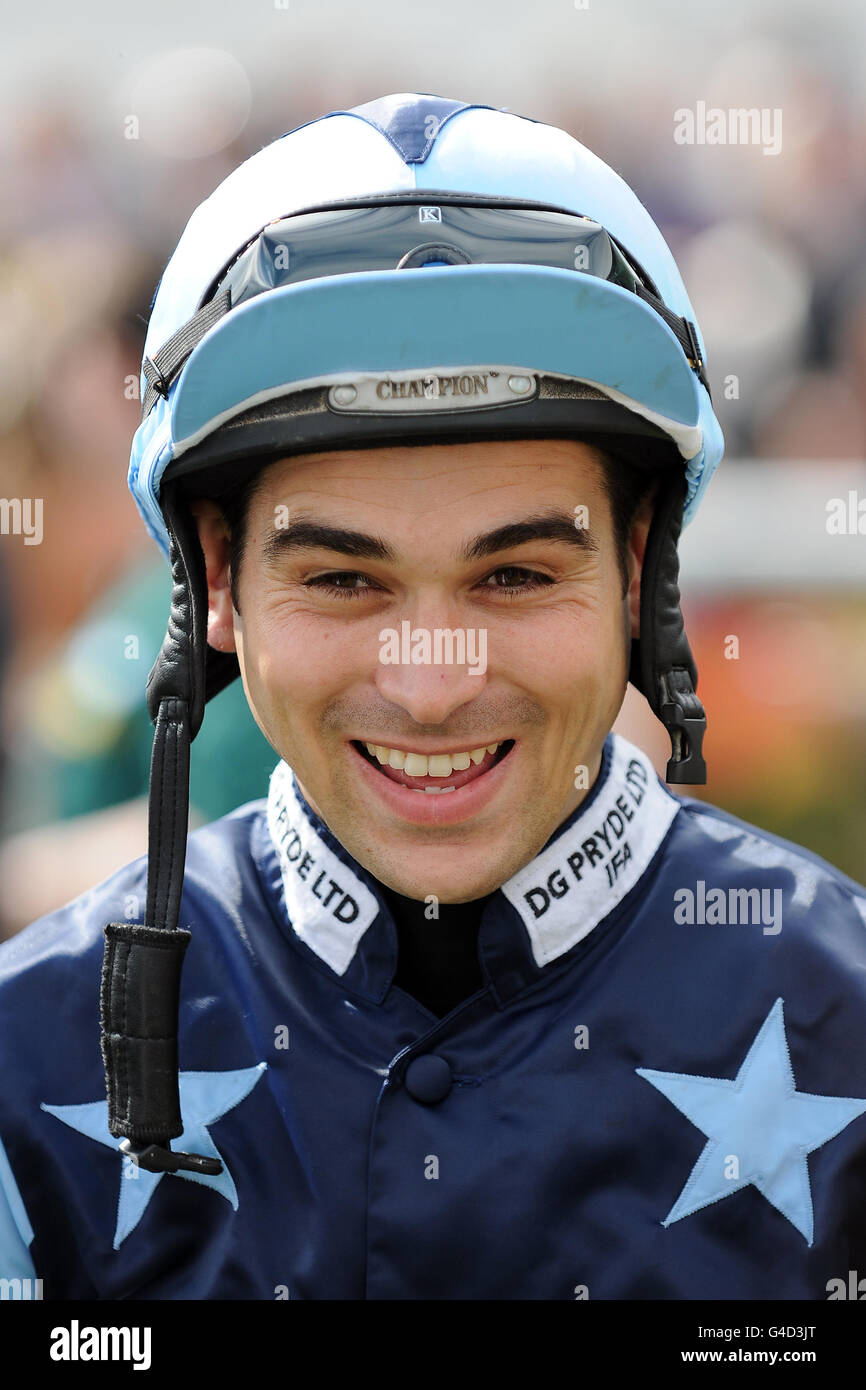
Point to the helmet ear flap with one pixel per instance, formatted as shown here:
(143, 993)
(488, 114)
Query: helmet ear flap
(662, 666)
(186, 666)
(220, 669)
(178, 671)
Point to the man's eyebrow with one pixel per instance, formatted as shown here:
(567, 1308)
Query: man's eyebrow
(545, 526)
(311, 534)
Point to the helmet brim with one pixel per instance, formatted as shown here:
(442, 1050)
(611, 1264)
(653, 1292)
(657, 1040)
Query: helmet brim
(536, 319)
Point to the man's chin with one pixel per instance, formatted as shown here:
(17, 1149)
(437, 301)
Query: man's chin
(449, 874)
(448, 863)
(437, 895)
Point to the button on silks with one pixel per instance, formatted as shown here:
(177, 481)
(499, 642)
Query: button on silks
(428, 1079)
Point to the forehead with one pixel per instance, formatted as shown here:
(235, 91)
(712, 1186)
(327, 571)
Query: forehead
(479, 474)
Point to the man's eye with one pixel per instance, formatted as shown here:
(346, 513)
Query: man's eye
(334, 584)
(516, 581)
(509, 580)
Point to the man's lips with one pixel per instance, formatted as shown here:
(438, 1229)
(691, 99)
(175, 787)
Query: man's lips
(437, 803)
(455, 778)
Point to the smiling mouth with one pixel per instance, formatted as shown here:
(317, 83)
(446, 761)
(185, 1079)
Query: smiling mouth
(438, 783)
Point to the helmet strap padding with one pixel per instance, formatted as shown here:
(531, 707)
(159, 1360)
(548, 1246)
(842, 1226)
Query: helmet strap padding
(662, 667)
(142, 962)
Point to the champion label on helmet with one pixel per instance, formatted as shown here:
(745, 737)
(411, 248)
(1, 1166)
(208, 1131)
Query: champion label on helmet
(459, 388)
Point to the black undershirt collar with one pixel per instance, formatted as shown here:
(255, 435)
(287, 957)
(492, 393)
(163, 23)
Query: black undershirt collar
(437, 960)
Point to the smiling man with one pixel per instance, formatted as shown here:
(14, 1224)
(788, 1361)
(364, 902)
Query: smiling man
(450, 537)
(469, 1005)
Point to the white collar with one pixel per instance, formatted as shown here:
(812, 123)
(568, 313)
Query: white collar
(595, 858)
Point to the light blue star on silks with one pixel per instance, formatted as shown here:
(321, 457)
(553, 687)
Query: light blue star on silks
(205, 1096)
(760, 1120)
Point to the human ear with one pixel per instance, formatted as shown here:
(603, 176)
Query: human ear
(213, 534)
(636, 551)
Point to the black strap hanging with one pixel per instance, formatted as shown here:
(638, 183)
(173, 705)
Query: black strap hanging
(142, 962)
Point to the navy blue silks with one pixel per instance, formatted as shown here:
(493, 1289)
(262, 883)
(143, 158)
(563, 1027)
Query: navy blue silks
(660, 1092)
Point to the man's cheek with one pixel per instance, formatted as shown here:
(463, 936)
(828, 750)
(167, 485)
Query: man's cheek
(292, 669)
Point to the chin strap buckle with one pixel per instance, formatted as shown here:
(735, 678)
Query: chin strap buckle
(162, 1158)
(683, 716)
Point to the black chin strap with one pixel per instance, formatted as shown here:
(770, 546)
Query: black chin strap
(142, 963)
(662, 666)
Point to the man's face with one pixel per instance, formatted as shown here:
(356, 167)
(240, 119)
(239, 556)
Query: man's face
(509, 546)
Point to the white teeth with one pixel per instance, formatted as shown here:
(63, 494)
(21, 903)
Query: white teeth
(415, 765)
(436, 765)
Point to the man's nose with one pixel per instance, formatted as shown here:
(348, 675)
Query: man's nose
(430, 664)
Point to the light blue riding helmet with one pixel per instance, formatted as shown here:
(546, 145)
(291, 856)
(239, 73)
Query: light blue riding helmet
(293, 317)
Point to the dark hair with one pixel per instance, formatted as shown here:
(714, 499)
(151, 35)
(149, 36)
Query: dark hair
(626, 483)
(234, 506)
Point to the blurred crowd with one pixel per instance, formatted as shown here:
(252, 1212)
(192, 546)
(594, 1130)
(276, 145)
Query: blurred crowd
(772, 248)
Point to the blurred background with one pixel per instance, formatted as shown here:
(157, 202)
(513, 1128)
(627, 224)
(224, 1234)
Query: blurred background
(117, 121)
